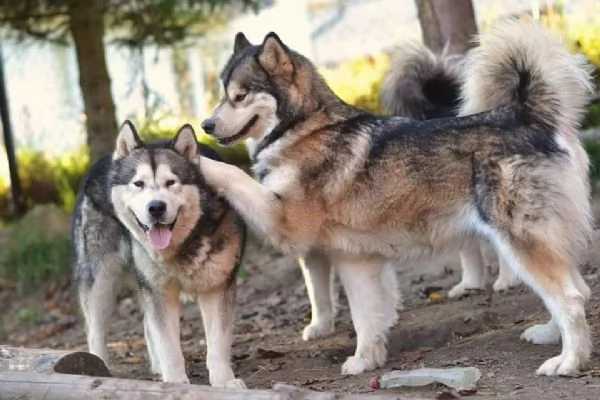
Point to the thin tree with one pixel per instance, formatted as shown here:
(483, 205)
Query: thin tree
(447, 23)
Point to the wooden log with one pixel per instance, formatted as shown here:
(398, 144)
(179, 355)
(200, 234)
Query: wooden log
(37, 386)
(51, 361)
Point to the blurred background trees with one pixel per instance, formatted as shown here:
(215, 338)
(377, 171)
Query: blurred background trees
(134, 24)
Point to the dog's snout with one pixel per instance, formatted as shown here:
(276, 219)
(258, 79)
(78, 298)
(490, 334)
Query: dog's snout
(208, 125)
(157, 208)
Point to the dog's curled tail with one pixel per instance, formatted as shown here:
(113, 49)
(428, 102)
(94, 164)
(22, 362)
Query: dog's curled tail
(420, 84)
(521, 63)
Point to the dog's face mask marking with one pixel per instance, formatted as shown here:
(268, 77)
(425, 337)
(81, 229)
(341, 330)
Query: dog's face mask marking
(151, 191)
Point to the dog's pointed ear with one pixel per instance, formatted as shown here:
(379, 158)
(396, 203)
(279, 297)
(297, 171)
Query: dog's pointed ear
(185, 142)
(240, 42)
(275, 57)
(127, 140)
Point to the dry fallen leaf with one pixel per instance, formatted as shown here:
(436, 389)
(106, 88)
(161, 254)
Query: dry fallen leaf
(434, 296)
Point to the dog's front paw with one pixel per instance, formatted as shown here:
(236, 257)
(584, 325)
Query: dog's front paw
(463, 289)
(318, 330)
(356, 365)
(562, 365)
(176, 379)
(542, 334)
(504, 283)
(371, 357)
(235, 384)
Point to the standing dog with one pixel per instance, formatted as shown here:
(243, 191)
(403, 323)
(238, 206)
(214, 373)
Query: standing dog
(149, 210)
(368, 189)
(421, 84)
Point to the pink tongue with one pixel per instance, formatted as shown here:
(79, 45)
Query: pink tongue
(159, 236)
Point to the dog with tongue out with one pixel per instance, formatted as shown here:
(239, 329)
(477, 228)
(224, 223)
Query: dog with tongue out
(147, 211)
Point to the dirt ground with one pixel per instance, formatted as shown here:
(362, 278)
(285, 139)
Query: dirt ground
(480, 330)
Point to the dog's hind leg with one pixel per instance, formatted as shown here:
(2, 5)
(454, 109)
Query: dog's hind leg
(473, 269)
(98, 299)
(217, 309)
(161, 320)
(506, 278)
(392, 300)
(549, 333)
(564, 293)
(361, 278)
(318, 277)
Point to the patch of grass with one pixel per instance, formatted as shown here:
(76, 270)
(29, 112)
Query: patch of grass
(29, 315)
(242, 272)
(33, 258)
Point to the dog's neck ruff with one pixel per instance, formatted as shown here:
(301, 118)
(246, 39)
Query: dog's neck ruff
(276, 134)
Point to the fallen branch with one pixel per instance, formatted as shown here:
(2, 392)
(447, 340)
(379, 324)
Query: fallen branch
(36, 386)
(51, 361)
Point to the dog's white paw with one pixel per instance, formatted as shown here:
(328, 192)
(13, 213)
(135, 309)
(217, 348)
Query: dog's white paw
(316, 331)
(563, 365)
(372, 357)
(235, 384)
(463, 288)
(503, 283)
(154, 367)
(547, 333)
(176, 379)
(356, 365)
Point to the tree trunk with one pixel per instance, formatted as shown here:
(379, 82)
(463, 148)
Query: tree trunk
(86, 23)
(183, 81)
(445, 22)
(15, 182)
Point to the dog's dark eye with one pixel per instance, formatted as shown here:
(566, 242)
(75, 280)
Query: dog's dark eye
(170, 182)
(239, 97)
(139, 184)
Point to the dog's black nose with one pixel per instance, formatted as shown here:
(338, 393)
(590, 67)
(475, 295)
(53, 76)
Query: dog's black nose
(208, 125)
(157, 208)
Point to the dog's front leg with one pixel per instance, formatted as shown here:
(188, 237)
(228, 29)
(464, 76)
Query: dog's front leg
(361, 277)
(217, 309)
(161, 314)
(258, 206)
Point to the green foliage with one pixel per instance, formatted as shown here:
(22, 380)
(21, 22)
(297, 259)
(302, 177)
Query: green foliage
(592, 118)
(29, 315)
(358, 81)
(47, 179)
(592, 147)
(35, 260)
(37, 248)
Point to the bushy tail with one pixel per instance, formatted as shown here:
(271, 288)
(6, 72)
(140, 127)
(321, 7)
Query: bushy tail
(421, 84)
(521, 63)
